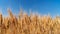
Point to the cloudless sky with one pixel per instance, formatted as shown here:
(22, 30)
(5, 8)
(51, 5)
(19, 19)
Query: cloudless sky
(40, 6)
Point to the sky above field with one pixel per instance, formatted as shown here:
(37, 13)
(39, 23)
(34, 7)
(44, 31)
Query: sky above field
(39, 6)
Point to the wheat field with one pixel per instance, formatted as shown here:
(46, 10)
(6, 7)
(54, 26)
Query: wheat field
(29, 24)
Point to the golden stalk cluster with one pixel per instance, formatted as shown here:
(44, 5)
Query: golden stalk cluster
(33, 24)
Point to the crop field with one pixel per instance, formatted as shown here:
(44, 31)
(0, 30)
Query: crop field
(29, 24)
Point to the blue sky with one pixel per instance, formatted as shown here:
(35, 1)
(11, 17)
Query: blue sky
(12, 4)
(39, 6)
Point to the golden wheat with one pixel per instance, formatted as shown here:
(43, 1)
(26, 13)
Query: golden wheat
(25, 24)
